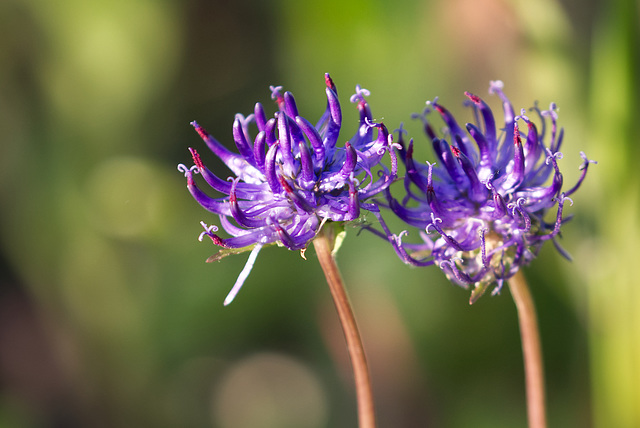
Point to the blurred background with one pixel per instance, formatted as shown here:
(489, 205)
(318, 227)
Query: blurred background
(109, 316)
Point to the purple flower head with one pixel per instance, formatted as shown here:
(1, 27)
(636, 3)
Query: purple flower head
(483, 204)
(290, 176)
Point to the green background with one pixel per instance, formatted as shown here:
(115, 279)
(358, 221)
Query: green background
(109, 316)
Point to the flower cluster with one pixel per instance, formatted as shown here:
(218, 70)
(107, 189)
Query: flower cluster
(291, 177)
(482, 206)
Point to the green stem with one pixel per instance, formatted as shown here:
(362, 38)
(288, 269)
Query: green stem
(531, 349)
(366, 415)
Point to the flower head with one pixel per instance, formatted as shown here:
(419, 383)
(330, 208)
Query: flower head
(483, 204)
(291, 176)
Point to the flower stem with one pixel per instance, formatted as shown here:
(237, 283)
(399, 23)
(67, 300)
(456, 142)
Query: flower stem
(531, 349)
(323, 245)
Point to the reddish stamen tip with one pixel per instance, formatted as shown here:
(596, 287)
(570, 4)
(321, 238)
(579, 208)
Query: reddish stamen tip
(439, 108)
(516, 135)
(233, 199)
(217, 240)
(352, 190)
(285, 185)
(476, 99)
(329, 82)
(196, 158)
(203, 134)
(456, 151)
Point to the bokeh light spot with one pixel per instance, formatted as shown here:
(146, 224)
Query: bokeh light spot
(270, 390)
(125, 197)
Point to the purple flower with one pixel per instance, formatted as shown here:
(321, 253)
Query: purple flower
(291, 177)
(483, 208)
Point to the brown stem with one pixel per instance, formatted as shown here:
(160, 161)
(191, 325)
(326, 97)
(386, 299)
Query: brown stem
(323, 246)
(531, 349)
